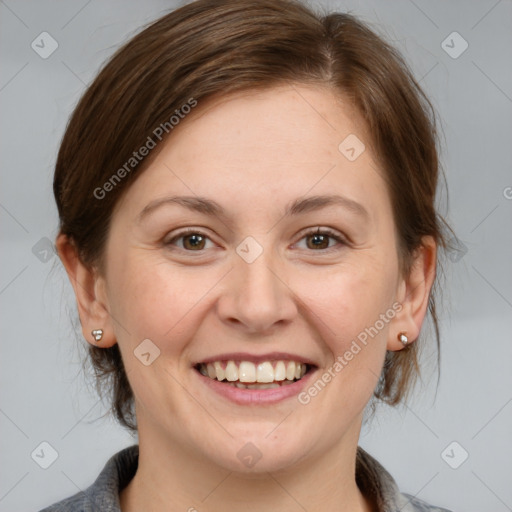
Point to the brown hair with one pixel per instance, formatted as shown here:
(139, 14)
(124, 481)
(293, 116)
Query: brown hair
(209, 48)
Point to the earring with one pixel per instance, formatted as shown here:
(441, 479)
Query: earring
(97, 334)
(403, 338)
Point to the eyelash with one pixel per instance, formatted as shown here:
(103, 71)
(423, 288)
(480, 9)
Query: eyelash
(317, 231)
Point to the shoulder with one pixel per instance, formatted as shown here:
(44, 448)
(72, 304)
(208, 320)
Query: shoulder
(378, 484)
(76, 503)
(103, 494)
(410, 503)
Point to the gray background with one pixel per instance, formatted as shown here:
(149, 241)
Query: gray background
(45, 395)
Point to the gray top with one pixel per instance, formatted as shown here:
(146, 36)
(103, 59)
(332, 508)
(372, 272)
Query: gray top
(103, 494)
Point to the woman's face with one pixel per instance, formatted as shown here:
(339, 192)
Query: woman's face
(252, 283)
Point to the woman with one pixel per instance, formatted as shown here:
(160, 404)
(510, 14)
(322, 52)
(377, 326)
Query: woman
(246, 199)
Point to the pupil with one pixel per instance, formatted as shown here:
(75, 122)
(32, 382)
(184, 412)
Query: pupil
(320, 238)
(196, 240)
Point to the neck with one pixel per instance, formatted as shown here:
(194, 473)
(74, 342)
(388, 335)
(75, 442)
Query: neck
(172, 478)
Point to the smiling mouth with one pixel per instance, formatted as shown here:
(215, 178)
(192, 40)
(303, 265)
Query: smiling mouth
(247, 375)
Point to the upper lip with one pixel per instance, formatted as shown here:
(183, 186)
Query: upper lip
(256, 358)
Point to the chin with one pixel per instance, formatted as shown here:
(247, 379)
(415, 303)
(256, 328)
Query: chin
(256, 455)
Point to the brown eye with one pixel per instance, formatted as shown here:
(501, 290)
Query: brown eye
(195, 241)
(318, 241)
(192, 241)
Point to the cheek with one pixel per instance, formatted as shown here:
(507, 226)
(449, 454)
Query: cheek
(155, 299)
(345, 304)
(346, 300)
(152, 299)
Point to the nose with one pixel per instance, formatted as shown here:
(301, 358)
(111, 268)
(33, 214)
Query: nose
(256, 298)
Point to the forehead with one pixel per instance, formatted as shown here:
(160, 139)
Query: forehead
(292, 120)
(255, 148)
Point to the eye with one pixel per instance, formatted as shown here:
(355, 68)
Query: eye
(192, 240)
(320, 239)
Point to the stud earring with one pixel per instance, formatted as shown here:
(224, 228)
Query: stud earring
(97, 334)
(402, 336)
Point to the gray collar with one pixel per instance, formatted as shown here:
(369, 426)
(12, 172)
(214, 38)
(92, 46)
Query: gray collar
(371, 477)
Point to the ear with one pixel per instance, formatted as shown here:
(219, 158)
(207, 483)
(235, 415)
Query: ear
(413, 294)
(90, 294)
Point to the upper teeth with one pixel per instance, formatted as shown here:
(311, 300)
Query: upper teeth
(246, 371)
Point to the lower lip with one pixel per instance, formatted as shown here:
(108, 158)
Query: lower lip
(256, 396)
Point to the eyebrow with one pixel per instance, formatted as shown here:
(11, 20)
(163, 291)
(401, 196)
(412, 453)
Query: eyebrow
(298, 207)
